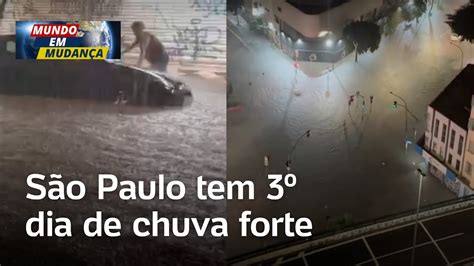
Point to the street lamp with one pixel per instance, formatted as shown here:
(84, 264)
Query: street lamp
(421, 174)
(306, 134)
(462, 52)
(404, 105)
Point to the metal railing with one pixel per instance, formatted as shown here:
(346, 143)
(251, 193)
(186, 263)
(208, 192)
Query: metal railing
(336, 235)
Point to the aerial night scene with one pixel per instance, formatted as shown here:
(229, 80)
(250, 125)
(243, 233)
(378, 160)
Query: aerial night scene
(369, 104)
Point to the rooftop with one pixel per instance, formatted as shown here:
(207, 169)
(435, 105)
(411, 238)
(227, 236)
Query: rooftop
(315, 7)
(455, 101)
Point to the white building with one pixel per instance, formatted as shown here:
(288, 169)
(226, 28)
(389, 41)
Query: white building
(448, 143)
(313, 28)
(468, 162)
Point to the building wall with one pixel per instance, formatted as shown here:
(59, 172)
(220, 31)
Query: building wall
(450, 148)
(429, 127)
(468, 164)
(438, 143)
(193, 30)
(334, 20)
(455, 147)
(452, 151)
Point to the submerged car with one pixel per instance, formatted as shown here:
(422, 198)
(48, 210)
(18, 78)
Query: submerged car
(87, 79)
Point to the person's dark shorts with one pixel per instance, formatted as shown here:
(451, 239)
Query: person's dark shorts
(162, 64)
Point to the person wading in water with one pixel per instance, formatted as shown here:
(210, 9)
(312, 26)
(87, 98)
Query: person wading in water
(151, 48)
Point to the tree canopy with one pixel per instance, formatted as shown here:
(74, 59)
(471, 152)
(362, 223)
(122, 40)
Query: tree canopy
(414, 10)
(420, 8)
(462, 21)
(363, 36)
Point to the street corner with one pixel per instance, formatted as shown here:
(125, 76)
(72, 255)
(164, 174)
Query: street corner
(314, 69)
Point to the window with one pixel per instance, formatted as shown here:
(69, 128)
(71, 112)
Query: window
(279, 9)
(434, 146)
(453, 136)
(468, 168)
(460, 144)
(436, 128)
(450, 158)
(443, 134)
(458, 165)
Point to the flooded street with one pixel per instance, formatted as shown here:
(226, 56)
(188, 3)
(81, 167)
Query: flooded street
(80, 139)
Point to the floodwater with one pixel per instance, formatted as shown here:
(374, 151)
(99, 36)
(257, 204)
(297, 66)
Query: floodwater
(80, 139)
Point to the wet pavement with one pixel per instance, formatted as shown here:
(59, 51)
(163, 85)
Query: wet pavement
(80, 139)
(358, 171)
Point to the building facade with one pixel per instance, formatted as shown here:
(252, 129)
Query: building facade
(311, 30)
(448, 143)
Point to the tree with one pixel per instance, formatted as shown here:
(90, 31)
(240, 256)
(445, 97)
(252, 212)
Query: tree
(392, 22)
(233, 7)
(407, 15)
(462, 21)
(362, 36)
(258, 25)
(419, 8)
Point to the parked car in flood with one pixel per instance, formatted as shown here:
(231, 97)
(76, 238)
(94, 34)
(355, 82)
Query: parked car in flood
(87, 79)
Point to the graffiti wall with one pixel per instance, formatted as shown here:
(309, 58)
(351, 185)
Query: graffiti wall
(193, 30)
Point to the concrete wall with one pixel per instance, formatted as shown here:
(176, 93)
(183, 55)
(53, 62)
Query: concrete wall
(192, 30)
